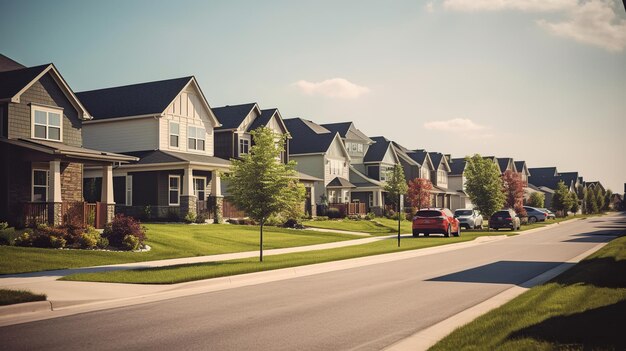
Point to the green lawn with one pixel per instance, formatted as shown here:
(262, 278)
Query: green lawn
(190, 272)
(10, 297)
(377, 226)
(582, 309)
(167, 241)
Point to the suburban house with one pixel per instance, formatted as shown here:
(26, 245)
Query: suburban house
(546, 179)
(322, 154)
(506, 164)
(43, 153)
(522, 169)
(169, 126)
(442, 196)
(233, 139)
(456, 183)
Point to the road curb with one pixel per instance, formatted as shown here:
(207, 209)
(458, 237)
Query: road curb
(26, 307)
(426, 338)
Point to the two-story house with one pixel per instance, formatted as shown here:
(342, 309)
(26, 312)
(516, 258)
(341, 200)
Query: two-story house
(233, 140)
(456, 183)
(321, 153)
(506, 164)
(442, 197)
(424, 168)
(169, 126)
(522, 169)
(43, 153)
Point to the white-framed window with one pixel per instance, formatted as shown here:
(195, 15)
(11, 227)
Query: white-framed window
(47, 123)
(336, 167)
(129, 190)
(332, 196)
(196, 138)
(174, 190)
(384, 172)
(346, 196)
(40, 184)
(174, 134)
(441, 177)
(199, 188)
(244, 146)
(359, 147)
(370, 200)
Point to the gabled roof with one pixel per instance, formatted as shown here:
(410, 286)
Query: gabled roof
(151, 98)
(264, 119)
(151, 157)
(309, 137)
(231, 116)
(68, 151)
(339, 182)
(569, 178)
(348, 131)
(520, 166)
(360, 180)
(8, 64)
(457, 166)
(377, 151)
(503, 163)
(402, 153)
(543, 172)
(14, 83)
(548, 182)
(420, 156)
(439, 158)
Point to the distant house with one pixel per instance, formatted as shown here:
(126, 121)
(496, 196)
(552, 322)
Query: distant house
(43, 152)
(233, 139)
(456, 182)
(522, 169)
(506, 164)
(169, 126)
(442, 197)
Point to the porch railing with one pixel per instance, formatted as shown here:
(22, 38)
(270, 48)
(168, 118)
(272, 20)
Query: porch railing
(78, 212)
(229, 210)
(349, 208)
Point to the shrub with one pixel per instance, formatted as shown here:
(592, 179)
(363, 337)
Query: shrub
(274, 220)
(370, 215)
(89, 239)
(130, 243)
(391, 214)
(4, 225)
(333, 213)
(120, 227)
(147, 212)
(293, 223)
(190, 217)
(173, 216)
(8, 235)
(321, 218)
(56, 242)
(25, 239)
(202, 217)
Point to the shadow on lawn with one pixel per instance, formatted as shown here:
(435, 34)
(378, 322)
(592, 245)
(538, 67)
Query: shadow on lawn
(599, 328)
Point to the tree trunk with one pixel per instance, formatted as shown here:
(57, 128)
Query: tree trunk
(261, 242)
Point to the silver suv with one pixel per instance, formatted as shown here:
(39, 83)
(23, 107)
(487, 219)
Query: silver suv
(468, 218)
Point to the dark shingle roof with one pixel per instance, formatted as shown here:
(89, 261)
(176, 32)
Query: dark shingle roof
(543, 172)
(231, 116)
(160, 156)
(519, 165)
(308, 137)
(8, 64)
(457, 166)
(418, 155)
(503, 162)
(11, 82)
(568, 178)
(339, 182)
(376, 152)
(263, 119)
(341, 128)
(132, 100)
(436, 157)
(548, 182)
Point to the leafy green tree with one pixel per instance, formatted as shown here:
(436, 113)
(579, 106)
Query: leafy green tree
(575, 203)
(260, 185)
(599, 198)
(562, 200)
(396, 185)
(483, 185)
(607, 199)
(591, 205)
(536, 199)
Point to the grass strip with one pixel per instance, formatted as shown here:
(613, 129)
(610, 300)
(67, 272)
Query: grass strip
(191, 272)
(10, 297)
(582, 309)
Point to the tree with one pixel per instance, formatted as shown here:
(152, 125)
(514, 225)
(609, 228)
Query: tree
(591, 205)
(419, 192)
(607, 199)
(536, 199)
(396, 185)
(260, 185)
(562, 200)
(599, 194)
(483, 185)
(575, 202)
(513, 189)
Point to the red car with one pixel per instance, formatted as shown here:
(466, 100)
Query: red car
(436, 220)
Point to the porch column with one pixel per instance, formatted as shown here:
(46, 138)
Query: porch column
(54, 194)
(378, 207)
(188, 198)
(106, 198)
(313, 205)
(216, 193)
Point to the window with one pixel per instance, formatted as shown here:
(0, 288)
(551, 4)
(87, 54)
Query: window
(346, 196)
(354, 146)
(174, 190)
(384, 172)
(336, 167)
(441, 176)
(199, 188)
(425, 173)
(47, 123)
(360, 147)
(244, 146)
(370, 200)
(40, 185)
(129, 190)
(331, 196)
(196, 138)
(174, 134)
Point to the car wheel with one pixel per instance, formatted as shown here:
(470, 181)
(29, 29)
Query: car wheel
(532, 219)
(478, 226)
(426, 234)
(458, 231)
(448, 232)
(415, 234)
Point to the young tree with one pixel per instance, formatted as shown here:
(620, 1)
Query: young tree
(591, 205)
(260, 185)
(483, 185)
(575, 203)
(536, 199)
(599, 199)
(562, 200)
(513, 189)
(607, 199)
(419, 192)
(396, 185)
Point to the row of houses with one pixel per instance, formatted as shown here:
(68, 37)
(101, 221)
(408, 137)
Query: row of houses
(158, 149)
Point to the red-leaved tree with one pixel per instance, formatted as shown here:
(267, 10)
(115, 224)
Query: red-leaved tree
(513, 188)
(419, 192)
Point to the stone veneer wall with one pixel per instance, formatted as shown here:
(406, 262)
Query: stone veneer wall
(72, 182)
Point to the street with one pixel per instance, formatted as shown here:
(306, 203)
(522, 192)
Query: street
(366, 308)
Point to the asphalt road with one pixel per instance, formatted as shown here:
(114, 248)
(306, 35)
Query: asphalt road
(366, 308)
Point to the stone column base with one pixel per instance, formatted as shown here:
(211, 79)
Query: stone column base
(377, 210)
(55, 217)
(218, 214)
(188, 204)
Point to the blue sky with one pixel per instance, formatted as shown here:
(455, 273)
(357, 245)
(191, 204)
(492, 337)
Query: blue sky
(541, 81)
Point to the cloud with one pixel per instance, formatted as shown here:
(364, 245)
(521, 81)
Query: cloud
(454, 125)
(593, 22)
(334, 88)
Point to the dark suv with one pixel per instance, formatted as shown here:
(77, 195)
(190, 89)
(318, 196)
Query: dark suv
(504, 219)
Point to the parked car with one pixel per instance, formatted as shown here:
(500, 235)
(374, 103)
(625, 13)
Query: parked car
(436, 220)
(468, 218)
(504, 219)
(535, 214)
(550, 214)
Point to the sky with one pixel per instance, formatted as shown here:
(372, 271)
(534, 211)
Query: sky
(538, 80)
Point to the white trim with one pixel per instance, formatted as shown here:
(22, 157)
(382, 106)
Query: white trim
(32, 183)
(247, 141)
(47, 110)
(115, 119)
(128, 190)
(195, 191)
(196, 128)
(170, 189)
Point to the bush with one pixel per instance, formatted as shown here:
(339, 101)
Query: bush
(90, 239)
(321, 218)
(370, 215)
(120, 227)
(173, 216)
(102, 243)
(202, 217)
(56, 242)
(8, 235)
(333, 213)
(274, 220)
(391, 214)
(293, 223)
(4, 225)
(130, 243)
(25, 239)
(354, 217)
(190, 217)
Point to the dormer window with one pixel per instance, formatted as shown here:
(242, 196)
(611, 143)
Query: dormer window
(47, 123)
(196, 138)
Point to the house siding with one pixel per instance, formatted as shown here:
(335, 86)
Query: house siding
(122, 135)
(224, 146)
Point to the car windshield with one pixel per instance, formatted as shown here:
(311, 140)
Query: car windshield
(428, 213)
(462, 212)
(501, 214)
